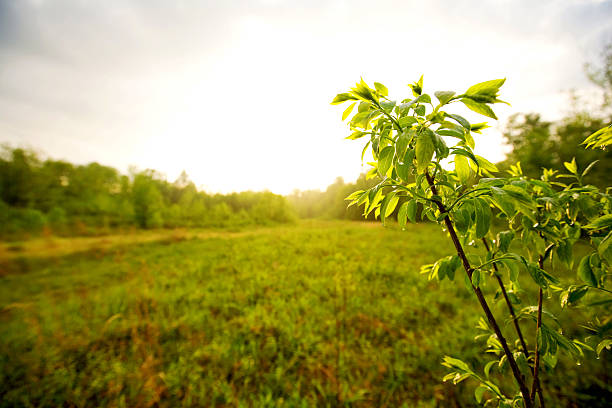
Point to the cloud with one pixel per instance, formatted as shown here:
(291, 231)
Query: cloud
(244, 86)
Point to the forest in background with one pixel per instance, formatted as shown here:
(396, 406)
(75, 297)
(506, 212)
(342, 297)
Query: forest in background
(54, 196)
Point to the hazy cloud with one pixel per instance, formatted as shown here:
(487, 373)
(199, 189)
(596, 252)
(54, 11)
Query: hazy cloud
(240, 89)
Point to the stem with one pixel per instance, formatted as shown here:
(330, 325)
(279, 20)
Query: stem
(516, 326)
(508, 303)
(481, 299)
(602, 289)
(536, 365)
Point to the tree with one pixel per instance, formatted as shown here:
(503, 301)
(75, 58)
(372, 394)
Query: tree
(544, 217)
(539, 144)
(148, 201)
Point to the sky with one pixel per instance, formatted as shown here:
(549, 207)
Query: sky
(237, 93)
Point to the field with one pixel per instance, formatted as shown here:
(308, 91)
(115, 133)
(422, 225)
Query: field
(320, 313)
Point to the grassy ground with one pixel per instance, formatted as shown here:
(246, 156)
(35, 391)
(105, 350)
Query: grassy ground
(314, 314)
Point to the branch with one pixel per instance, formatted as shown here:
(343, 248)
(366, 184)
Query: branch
(508, 303)
(536, 364)
(481, 299)
(516, 325)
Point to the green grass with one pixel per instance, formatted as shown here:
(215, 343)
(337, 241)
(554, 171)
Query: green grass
(316, 314)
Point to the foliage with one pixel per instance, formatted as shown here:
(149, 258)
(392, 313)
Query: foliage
(600, 139)
(542, 217)
(530, 136)
(291, 315)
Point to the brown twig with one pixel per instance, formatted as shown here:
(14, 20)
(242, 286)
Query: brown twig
(536, 364)
(481, 299)
(516, 325)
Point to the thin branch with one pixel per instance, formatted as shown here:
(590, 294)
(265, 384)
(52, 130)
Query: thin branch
(481, 299)
(508, 303)
(536, 365)
(516, 324)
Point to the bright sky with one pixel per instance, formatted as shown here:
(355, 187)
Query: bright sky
(237, 92)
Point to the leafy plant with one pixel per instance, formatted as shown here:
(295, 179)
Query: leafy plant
(411, 141)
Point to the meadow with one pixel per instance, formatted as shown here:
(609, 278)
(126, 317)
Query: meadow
(295, 315)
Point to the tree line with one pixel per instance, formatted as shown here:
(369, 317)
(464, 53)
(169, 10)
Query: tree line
(59, 197)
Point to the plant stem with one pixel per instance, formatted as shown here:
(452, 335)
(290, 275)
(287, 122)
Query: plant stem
(536, 364)
(508, 303)
(481, 299)
(516, 323)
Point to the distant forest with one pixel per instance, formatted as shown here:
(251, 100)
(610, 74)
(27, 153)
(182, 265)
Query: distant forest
(54, 196)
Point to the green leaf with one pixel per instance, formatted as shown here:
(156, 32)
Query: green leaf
(487, 368)
(440, 146)
(355, 195)
(381, 88)
(387, 106)
(461, 120)
(375, 196)
(477, 127)
(388, 206)
(342, 97)
(605, 244)
(521, 361)
(585, 272)
(602, 222)
(417, 87)
(604, 344)
(462, 220)
(476, 277)
(462, 168)
(518, 194)
(564, 251)
(456, 364)
(363, 91)
(483, 218)
(444, 96)
(406, 121)
(601, 138)
(504, 239)
(411, 210)
(479, 392)
(420, 110)
(403, 171)
(513, 269)
(537, 275)
(589, 167)
(487, 87)
(384, 160)
(424, 150)
(451, 132)
(573, 294)
(424, 98)
(503, 201)
(356, 135)
(571, 166)
(348, 110)
(486, 165)
(402, 142)
(402, 215)
(479, 107)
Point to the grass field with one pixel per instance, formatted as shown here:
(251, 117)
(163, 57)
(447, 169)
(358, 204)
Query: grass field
(314, 314)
